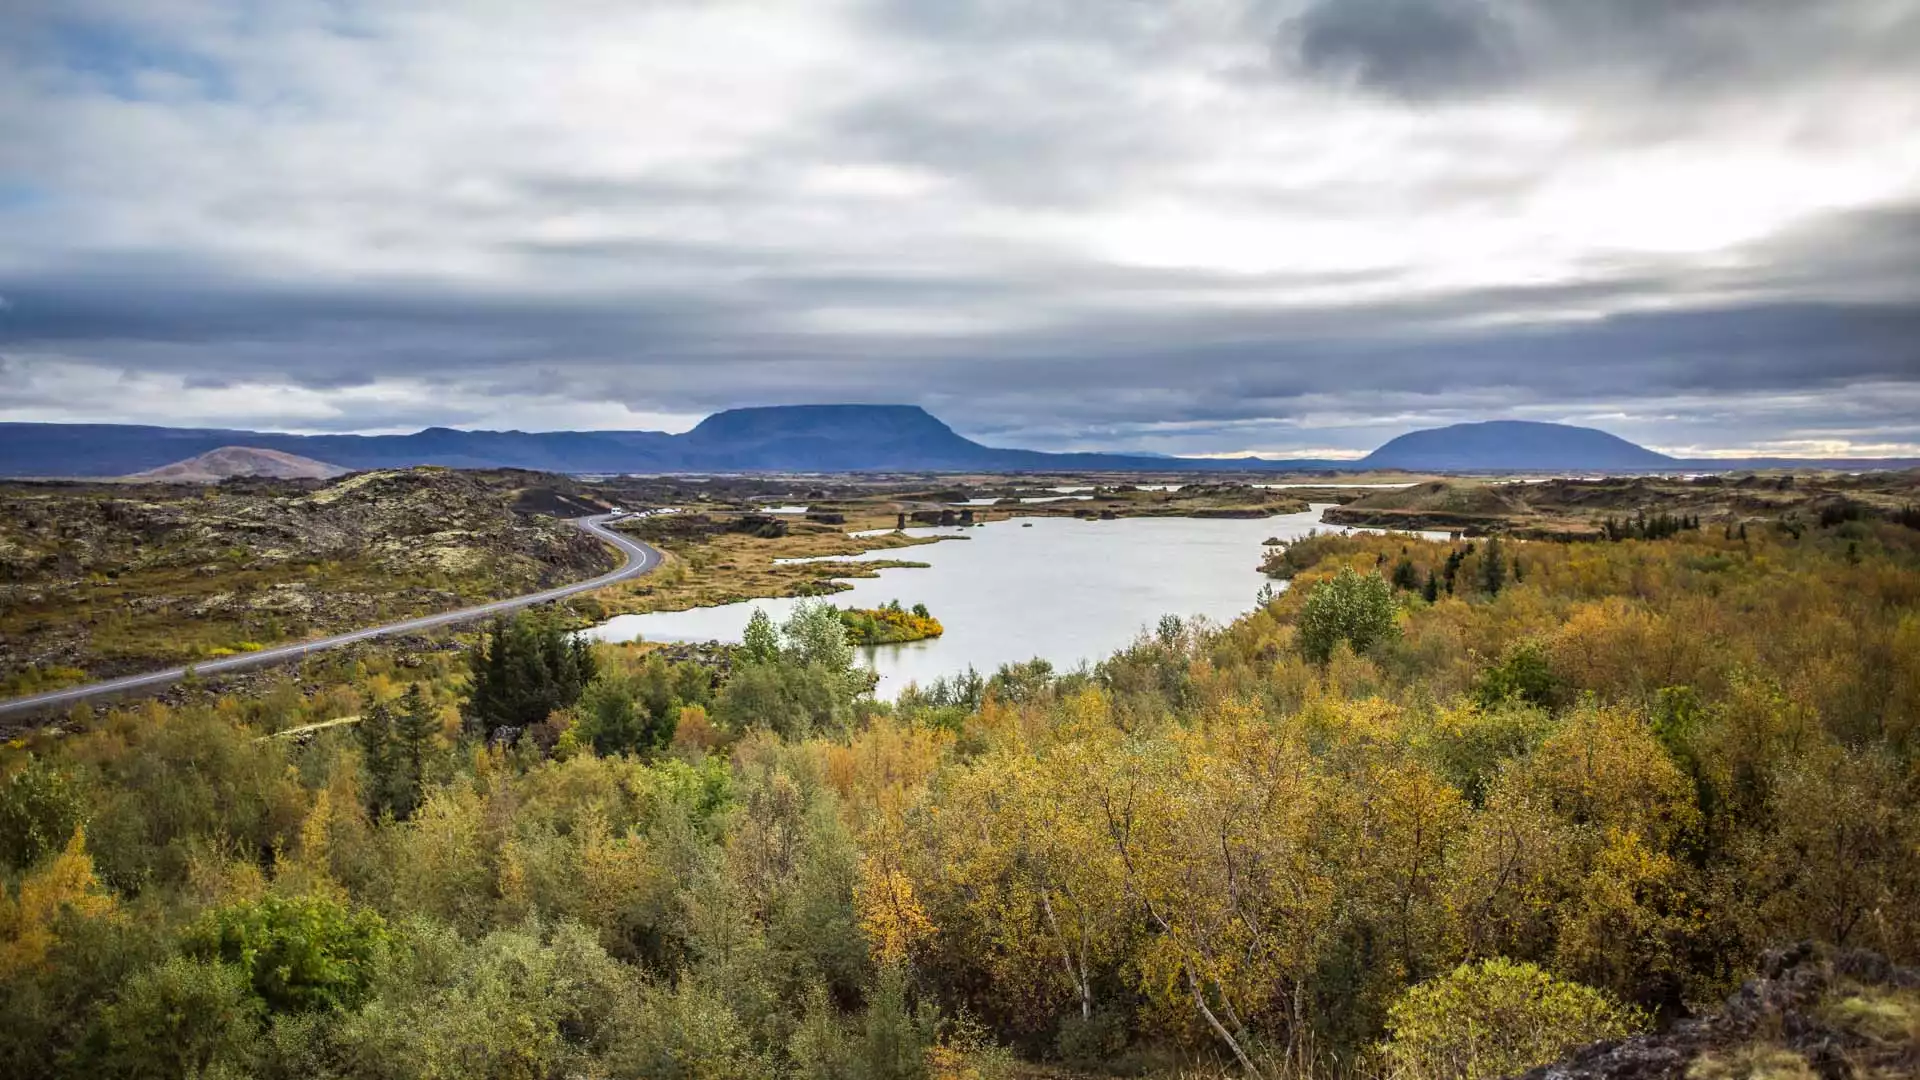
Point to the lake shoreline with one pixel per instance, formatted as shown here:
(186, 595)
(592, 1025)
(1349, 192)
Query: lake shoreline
(1051, 587)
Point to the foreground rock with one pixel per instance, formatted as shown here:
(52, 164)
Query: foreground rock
(1809, 1013)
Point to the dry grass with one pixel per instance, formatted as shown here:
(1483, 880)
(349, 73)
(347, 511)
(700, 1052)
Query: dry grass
(1760, 1061)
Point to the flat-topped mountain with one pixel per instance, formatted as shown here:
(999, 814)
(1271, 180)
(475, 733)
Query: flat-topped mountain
(230, 461)
(1514, 446)
(833, 437)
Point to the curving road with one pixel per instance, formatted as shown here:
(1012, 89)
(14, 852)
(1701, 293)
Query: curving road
(639, 557)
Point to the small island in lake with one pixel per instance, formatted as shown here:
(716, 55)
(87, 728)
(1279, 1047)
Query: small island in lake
(889, 624)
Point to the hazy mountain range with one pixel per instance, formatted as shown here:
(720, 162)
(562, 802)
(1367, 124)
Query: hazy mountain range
(805, 438)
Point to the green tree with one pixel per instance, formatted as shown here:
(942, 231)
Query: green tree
(524, 670)
(1525, 672)
(1451, 570)
(39, 809)
(815, 635)
(1469, 744)
(638, 711)
(413, 742)
(1355, 608)
(609, 718)
(1496, 1018)
(686, 1032)
(821, 1047)
(375, 732)
(794, 701)
(897, 1035)
(1493, 566)
(760, 642)
(299, 953)
(507, 1005)
(1405, 576)
(182, 1018)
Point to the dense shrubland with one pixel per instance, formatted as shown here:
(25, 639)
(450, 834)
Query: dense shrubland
(1379, 826)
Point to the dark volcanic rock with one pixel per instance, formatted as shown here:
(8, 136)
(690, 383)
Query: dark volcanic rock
(1782, 1006)
(266, 560)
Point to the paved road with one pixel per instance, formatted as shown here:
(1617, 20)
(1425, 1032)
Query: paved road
(639, 557)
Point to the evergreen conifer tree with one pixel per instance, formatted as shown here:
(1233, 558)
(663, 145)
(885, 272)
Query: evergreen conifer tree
(375, 731)
(412, 743)
(1493, 566)
(1405, 576)
(523, 671)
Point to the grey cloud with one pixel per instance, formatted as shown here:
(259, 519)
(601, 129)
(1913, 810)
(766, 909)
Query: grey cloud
(1147, 366)
(1018, 136)
(1413, 48)
(1875, 250)
(1436, 49)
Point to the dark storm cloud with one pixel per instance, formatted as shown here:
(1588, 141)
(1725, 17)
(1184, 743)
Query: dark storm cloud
(1416, 48)
(1876, 250)
(1225, 366)
(1435, 49)
(173, 302)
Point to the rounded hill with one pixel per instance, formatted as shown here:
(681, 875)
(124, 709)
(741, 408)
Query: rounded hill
(1514, 446)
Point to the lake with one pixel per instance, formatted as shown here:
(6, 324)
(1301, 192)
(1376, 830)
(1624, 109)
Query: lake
(1063, 589)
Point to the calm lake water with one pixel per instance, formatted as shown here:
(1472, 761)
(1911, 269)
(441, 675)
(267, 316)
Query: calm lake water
(1057, 588)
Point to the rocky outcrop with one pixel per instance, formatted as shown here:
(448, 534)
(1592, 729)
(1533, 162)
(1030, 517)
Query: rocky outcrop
(1834, 1014)
(108, 578)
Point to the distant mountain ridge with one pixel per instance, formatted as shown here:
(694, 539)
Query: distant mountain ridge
(812, 438)
(781, 438)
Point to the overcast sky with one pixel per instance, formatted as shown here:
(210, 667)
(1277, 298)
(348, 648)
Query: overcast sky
(1283, 226)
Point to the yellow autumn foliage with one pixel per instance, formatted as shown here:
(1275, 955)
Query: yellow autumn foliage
(64, 884)
(890, 914)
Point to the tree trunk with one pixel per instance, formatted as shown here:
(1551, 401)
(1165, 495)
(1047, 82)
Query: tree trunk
(1077, 978)
(1200, 1002)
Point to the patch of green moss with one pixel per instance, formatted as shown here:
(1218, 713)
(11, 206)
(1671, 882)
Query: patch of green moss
(1758, 1061)
(1883, 1015)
